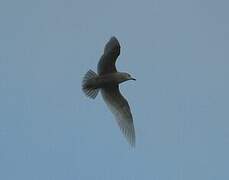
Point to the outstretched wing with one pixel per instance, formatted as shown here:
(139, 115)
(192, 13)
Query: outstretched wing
(107, 61)
(121, 110)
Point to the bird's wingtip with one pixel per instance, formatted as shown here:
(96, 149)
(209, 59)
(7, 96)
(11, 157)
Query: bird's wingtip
(114, 39)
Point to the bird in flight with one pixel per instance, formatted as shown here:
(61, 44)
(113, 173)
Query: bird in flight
(107, 81)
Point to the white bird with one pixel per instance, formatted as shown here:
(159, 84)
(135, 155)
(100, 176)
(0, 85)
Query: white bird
(108, 80)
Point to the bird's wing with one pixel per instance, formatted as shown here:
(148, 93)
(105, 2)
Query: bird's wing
(121, 110)
(107, 61)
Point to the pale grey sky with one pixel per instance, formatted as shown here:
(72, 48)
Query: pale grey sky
(178, 52)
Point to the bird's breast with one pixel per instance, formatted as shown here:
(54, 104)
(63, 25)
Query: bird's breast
(106, 80)
(103, 81)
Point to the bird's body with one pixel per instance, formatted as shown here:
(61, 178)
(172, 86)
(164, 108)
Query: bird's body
(108, 80)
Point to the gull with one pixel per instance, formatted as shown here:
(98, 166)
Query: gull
(107, 82)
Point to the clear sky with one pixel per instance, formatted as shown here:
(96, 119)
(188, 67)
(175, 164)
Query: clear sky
(177, 50)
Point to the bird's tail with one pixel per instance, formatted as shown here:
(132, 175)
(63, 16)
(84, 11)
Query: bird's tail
(87, 89)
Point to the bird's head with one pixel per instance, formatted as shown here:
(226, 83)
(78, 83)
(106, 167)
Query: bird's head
(125, 77)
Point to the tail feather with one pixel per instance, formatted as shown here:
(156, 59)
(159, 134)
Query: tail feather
(89, 91)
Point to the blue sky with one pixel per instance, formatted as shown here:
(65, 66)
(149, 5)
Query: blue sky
(178, 52)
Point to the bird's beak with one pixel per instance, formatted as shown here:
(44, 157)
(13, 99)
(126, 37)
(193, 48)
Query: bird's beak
(133, 79)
